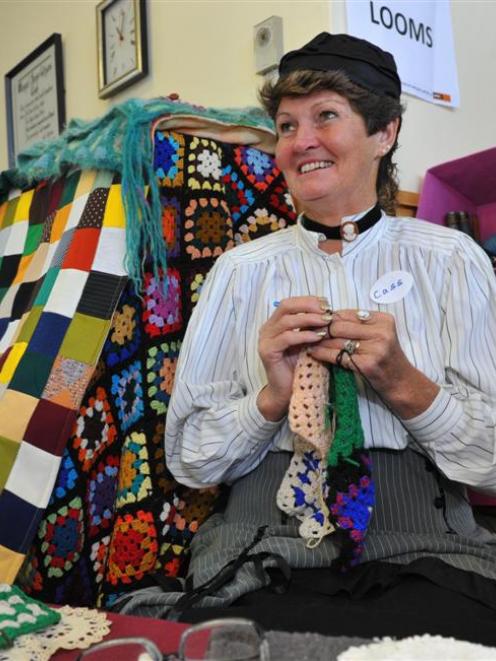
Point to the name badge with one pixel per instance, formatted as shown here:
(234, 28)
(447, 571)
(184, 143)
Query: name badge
(391, 287)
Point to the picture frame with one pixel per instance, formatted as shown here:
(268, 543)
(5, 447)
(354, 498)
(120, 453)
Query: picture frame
(122, 44)
(35, 97)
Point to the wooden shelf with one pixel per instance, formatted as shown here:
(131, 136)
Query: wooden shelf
(407, 203)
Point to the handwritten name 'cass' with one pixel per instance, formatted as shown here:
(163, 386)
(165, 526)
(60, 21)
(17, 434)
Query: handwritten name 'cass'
(391, 287)
(385, 290)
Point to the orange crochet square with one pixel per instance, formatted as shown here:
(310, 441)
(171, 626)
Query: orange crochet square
(59, 223)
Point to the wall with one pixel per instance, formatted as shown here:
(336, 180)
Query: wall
(203, 50)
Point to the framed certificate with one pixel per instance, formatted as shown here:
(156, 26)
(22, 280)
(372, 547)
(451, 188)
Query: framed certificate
(35, 97)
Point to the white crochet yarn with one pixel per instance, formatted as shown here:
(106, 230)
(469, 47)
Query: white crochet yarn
(419, 648)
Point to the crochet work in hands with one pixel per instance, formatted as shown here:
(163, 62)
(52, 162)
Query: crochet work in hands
(328, 485)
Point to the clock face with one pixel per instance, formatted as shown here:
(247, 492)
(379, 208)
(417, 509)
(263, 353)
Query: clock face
(120, 39)
(122, 44)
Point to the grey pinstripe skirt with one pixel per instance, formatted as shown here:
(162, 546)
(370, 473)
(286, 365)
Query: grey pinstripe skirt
(418, 514)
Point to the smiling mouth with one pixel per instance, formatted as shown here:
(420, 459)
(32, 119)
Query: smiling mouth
(316, 165)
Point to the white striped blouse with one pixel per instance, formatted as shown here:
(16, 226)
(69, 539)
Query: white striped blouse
(446, 325)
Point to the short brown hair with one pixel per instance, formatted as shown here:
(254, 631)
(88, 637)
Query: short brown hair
(377, 111)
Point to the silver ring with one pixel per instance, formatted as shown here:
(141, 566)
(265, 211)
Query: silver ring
(363, 315)
(350, 346)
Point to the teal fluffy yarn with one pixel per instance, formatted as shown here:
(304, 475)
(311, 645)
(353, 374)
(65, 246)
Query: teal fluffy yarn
(143, 216)
(120, 142)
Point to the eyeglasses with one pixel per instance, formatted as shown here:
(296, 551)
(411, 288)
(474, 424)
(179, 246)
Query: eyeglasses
(230, 639)
(125, 649)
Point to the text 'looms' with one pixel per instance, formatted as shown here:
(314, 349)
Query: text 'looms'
(382, 15)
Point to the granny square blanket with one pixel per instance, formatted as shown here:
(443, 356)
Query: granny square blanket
(115, 520)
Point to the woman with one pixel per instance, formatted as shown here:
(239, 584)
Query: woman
(406, 306)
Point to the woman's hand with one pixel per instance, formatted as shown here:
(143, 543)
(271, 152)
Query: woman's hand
(380, 358)
(296, 322)
(378, 355)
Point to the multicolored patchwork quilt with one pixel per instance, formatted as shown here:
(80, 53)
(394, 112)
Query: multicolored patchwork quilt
(61, 275)
(113, 518)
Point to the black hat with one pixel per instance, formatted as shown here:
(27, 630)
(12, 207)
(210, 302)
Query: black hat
(364, 63)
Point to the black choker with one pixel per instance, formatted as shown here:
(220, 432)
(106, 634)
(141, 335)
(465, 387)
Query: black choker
(349, 230)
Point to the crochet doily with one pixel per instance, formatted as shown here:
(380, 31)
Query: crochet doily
(78, 629)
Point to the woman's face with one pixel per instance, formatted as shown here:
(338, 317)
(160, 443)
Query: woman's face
(329, 162)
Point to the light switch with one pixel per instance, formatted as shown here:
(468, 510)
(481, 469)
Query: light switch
(268, 44)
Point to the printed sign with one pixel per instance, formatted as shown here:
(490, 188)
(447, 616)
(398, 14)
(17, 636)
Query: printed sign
(420, 36)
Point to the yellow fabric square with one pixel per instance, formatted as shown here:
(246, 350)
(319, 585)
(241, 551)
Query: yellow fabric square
(21, 269)
(13, 358)
(22, 211)
(10, 563)
(3, 211)
(59, 223)
(85, 183)
(114, 211)
(16, 409)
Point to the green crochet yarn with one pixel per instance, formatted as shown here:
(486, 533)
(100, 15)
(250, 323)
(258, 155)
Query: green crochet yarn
(350, 484)
(344, 403)
(120, 142)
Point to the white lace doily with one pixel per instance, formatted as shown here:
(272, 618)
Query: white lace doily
(419, 648)
(78, 629)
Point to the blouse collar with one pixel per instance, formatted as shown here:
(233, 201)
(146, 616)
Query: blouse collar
(309, 240)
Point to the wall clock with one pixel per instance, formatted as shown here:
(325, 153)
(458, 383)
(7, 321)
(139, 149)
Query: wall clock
(122, 44)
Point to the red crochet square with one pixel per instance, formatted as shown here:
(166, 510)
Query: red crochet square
(82, 250)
